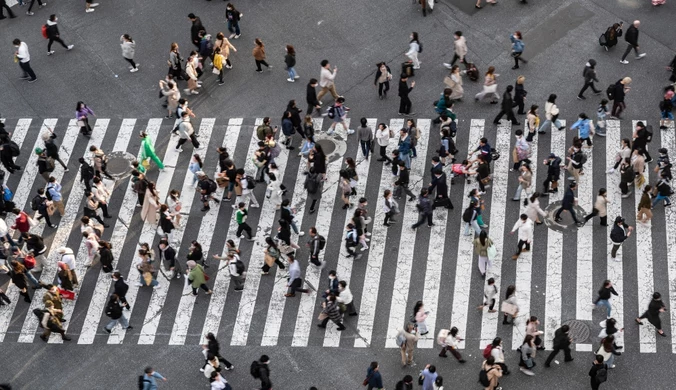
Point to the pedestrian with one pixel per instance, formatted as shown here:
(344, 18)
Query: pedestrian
(551, 115)
(174, 62)
(663, 164)
(365, 138)
(147, 272)
(259, 55)
(428, 375)
(585, 129)
(114, 312)
(295, 282)
(507, 107)
(44, 207)
(30, 7)
(414, 47)
(655, 307)
(196, 29)
(8, 151)
(22, 223)
(196, 277)
(290, 61)
(383, 135)
(440, 183)
(170, 90)
(390, 207)
(128, 48)
(604, 296)
(454, 82)
(382, 80)
(224, 44)
(608, 351)
(533, 209)
(272, 255)
(532, 329)
(52, 149)
(512, 307)
(645, 206)
(490, 86)
(82, 112)
(406, 338)
(450, 343)
(339, 115)
(246, 184)
(405, 147)
(101, 195)
(53, 35)
(317, 244)
(148, 151)
(517, 49)
(612, 33)
(327, 81)
(402, 182)
(405, 384)
(622, 155)
(51, 323)
(601, 114)
(619, 92)
(631, 36)
(150, 377)
(186, 132)
(520, 154)
(3, 4)
(260, 370)
(233, 16)
(525, 228)
(567, 203)
(600, 208)
(490, 292)
(331, 312)
(642, 137)
(311, 97)
(373, 378)
(493, 371)
(192, 72)
(662, 191)
(589, 75)
(526, 356)
(212, 347)
(481, 248)
(419, 317)
(22, 56)
(459, 49)
(471, 218)
(53, 191)
(619, 233)
(45, 164)
(425, 210)
(345, 299)
(520, 97)
(151, 204)
(19, 276)
(562, 341)
(666, 107)
(288, 130)
(638, 165)
(598, 372)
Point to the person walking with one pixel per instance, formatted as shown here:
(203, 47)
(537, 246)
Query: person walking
(192, 73)
(611, 35)
(655, 307)
(82, 112)
(212, 347)
(567, 203)
(414, 48)
(619, 233)
(148, 151)
(601, 208)
(428, 376)
(608, 350)
(51, 148)
(365, 138)
(589, 75)
(272, 254)
(151, 204)
(520, 101)
(603, 298)
(224, 44)
(53, 189)
(22, 56)
(339, 116)
(598, 373)
(408, 339)
(510, 306)
(53, 35)
(406, 383)
(631, 36)
(507, 108)
(3, 5)
(525, 227)
(450, 343)
(562, 341)
(551, 115)
(383, 135)
(330, 312)
(481, 248)
(150, 378)
(373, 378)
(404, 100)
(532, 329)
(459, 50)
(584, 127)
(290, 61)
(619, 92)
(402, 182)
(128, 49)
(233, 17)
(317, 244)
(490, 86)
(327, 81)
(196, 277)
(311, 98)
(533, 209)
(259, 55)
(382, 80)
(186, 131)
(425, 210)
(645, 213)
(51, 323)
(601, 114)
(517, 48)
(196, 30)
(622, 154)
(666, 108)
(114, 312)
(520, 153)
(490, 292)
(295, 282)
(419, 317)
(8, 151)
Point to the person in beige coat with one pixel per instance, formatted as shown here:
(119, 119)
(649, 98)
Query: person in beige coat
(191, 70)
(259, 55)
(226, 46)
(638, 164)
(454, 82)
(460, 48)
(151, 204)
(170, 90)
(600, 208)
(407, 346)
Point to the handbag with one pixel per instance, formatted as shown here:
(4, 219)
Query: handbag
(148, 278)
(146, 163)
(492, 252)
(67, 294)
(509, 308)
(366, 381)
(421, 379)
(81, 123)
(51, 208)
(215, 70)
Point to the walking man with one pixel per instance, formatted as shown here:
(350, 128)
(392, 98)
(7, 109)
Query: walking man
(317, 244)
(402, 183)
(150, 379)
(598, 372)
(589, 74)
(242, 226)
(54, 191)
(114, 312)
(561, 342)
(53, 35)
(311, 97)
(424, 209)
(407, 338)
(525, 227)
(621, 231)
(24, 58)
(460, 50)
(236, 268)
(655, 307)
(327, 81)
(404, 90)
(507, 107)
(120, 288)
(569, 200)
(631, 36)
(295, 282)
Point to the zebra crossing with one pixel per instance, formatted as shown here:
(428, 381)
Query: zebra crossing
(401, 266)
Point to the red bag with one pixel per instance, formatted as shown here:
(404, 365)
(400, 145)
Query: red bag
(44, 31)
(29, 262)
(67, 294)
(487, 351)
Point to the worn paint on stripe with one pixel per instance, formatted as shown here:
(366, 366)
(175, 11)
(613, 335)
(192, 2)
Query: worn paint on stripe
(248, 301)
(669, 142)
(30, 324)
(586, 195)
(18, 136)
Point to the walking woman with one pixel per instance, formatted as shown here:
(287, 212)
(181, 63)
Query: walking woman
(454, 82)
(644, 206)
(51, 148)
(608, 350)
(18, 274)
(655, 307)
(81, 114)
(413, 50)
(151, 204)
(382, 81)
(551, 115)
(224, 44)
(365, 138)
(517, 49)
(624, 153)
(128, 49)
(174, 206)
(272, 255)
(420, 315)
(612, 33)
(148, 151)
(533, 122)
(170, 90)
(520, 95)
(175, 59)
(219, 64)
(527, 361)
(318, 160)
(345, 189)
(191, 71)
(533, 210)
(259, 55)
(290, 61)
(490, 87)
(525, 181)
(532, 329)
(166, 223)
(481, 245)
(390, 207)
(510, 298)
(196, 277)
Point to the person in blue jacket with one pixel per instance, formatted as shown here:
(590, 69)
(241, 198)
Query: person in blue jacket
(517, 49)
(583, 125)
(373, 378)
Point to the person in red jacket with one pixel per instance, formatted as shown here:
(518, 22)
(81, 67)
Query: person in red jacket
(21, 223)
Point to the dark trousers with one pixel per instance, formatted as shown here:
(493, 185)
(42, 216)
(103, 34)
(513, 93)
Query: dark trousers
(520, 245)
(326, 321)
(388, 216)
(517, 58)
(594, 213)
(27, 70)
(52, 40)
(566, 352)
(44, 214)
(521, 104)
(296, 285)
(383, 154)
(569, 209)
(457, 57)
(104, 208)
(86, 129)
(626, 52)
(587, 85)
(399, 188)
(130, 61)
(349, 246)
(58, 158)
(624, 187)
(510, 116)
(193, 139)
(491, 304)
(202, 286)
(4, 298)
(4, 5)
(613, 252)
(279, 263)
(482, 186)
(244, 227)
(258, 64)
(311, 108)
(554, 180)
(421, 219)
(315, 260)
(365, 148)
(453, 352)
(383, 88)
(618, 107)
(30, 7)
(405, 105)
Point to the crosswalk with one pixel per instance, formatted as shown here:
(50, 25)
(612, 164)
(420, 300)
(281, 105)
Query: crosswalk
(556, 281)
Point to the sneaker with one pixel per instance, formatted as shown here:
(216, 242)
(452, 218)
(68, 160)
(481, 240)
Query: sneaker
(49, 53)
(70, 47)
(30, 13)
(350, 131)
(237, 36)
(611, 170)
(640, 56)
(581, 97)
(221, 82)
(624, 62)
(108, 330)
(93, 5)
(133, 70)
(301, 234)
(194, 92)
(179, 150)
(296, 77)
(89, 10)
(232, 35)
(201, 369)
(138, 284)
(290, 80)
(229, 368)
(447, 65)
(156, 286)
(259, 71)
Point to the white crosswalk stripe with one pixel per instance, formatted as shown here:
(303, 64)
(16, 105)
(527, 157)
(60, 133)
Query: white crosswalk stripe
(267, 309)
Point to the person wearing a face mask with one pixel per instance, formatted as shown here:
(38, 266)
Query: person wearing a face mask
(22, 56)
(53, 35)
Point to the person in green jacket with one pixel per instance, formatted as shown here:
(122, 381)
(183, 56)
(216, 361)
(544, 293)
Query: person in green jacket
(197, 278)
(148, 151)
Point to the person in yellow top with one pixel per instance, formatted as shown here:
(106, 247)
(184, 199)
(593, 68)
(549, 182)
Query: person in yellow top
(219, 62)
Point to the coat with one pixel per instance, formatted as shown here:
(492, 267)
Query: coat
(150, 208)
(332, 311)
(631, 36)
(196, 276)
(460, 47)
(259, 52)
(507, 102)
(454, 82)
(128, 48)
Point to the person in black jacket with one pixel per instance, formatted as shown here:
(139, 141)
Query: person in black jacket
(197, 30)
(520, 95)
(567, 204)
(402, 182)
(404, 90)
(664, 191)
(233, 16)
(314, 247)
(114, 312)
(405, 384)
(593, 372)
(655, 307)
(621, 89)
(106, 256)
(213, 347)
(507, 107)
(641, 136)
(561, 342)
(441, 185)
(53, 35)
(621, 231)
(311, 97)
(87, 174)
(424, 210)
(631, 36)
(6, 156)
(263, 372)
(52, 149)
(604, 296)
(553, 163)
(288, 216)
(120, 289)
(589, 75)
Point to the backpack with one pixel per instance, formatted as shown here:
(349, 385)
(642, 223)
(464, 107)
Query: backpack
(240, 267)
(332, 112)
(44, 31)
(254, 370)
(351, 237)
(494, 154)
(29, 262)
(467, 215)
(610, 92)
(322, 242)
(36, 202)
(472, 71)
(141, 382)
(583, 159)
(648, 133)
(7, 194)
(487, 351)
(401, 339)
(601, 374)
(47, 193)
(312, 183)
(250, 182)
(14, 148)
(420, 47)
(212, 186)
(483, 377)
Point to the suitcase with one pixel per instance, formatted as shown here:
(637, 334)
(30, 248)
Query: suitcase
(407, 68)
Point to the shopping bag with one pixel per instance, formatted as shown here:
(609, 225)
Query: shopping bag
(67, 294)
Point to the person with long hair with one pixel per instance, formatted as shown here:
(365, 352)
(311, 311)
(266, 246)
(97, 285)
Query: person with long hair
(420, 315)
(517, 48)
(151, 204)
(454, 82)
(527, 361)
(174, 62)
(520, 95)
(82, 113)
(551, 115)
(510, 297)
(259, 55)
(128, 49)
(382, 80)
(481, 245)
(272, 256)
(533, 122)
(413, 50)
(490, 86)
(532, 329)
(191, 70)
(612, 33)
(224, 44)
(290, 61)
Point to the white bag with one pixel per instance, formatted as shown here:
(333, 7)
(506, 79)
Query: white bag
(214, 70)
(492, 252)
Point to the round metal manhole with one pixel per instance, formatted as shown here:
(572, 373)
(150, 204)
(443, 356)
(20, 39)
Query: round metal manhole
(119, 164)
(567, 223)
(327, 145)
(579, 331)
(333, 147)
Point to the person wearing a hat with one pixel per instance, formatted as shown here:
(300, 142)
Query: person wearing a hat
(621, 88)
(45, 166)
(589, 75)
(196, 277)
(621, 231)
(569, 200)
(148, 151)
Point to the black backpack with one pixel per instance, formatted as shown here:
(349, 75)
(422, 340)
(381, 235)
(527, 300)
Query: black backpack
(36, 202)
(212, 186)
(240, 267)
(322, 242)
(254, 370)
(47, 193)
(583, 159)
(250, 182)
(648, 133)
(420, 47)
(610, 92)
(467, 214)
(332, 112)
(141, 382)
(483, 377)
(601, 374)
(494, 154)
(14, 148)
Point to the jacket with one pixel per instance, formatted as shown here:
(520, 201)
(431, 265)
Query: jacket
(232, 15)
(196, 276)
(259, 52)
(568, 200)
(128, 48)
(619, 92)
(379, 74)
(114, 310)
(185, 129)
(332, 311)
(375, 380)
(404, 177)
(561, 339)
(290, 60)
(195, 30)
(311, 95)
(507, 102)
(411, 339)
(482, 250)
(404, 89)
(663, 188)
(589, 73)
(52, 30)
(460, 47)
(424, 205)
(631, 36)
(519, 92)
(441, 185)
(600, 205)
(583, 126)
(517, 44)
(604, 292)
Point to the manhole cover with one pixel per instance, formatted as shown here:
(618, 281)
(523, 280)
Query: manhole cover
(567, 223)
(333, 147)
(119, 164)
(579, 331)
(327, 145)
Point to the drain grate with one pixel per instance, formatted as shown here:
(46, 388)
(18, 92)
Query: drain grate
(579, 331)
(119, 164)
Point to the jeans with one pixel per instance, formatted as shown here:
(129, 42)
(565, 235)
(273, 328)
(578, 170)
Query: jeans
(661, 197)
(294, 227)
(388, 216)
(123, 321)
(365, 148)
(233, 27)
(517, 194)
(406, 158)
(32, 279)
(549, 123)
(606, 303)
(292, 72)
(27, 70)
(475, 225)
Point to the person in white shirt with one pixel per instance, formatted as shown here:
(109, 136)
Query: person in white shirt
(101, 195)
(327, 81)
(413, 50)
(24, 58)
(345, 297)
(67, 257)
(218, 382)
(525, 227)
(383, 138)
(451, 344)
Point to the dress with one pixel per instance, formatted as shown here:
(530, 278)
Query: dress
(150, 208)
(275, 192)
(533, 209)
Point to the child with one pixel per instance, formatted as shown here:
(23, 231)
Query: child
(601, 113)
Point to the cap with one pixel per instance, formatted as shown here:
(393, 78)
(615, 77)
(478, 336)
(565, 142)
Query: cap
(619, 219)
(38, 150)
(572, 184)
